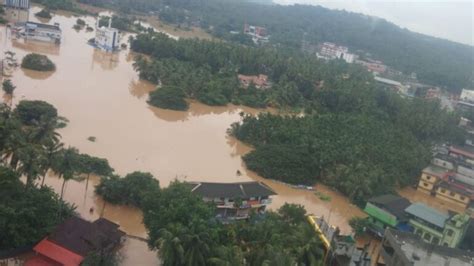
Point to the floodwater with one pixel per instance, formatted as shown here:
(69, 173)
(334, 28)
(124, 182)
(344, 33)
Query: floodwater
(101, 95)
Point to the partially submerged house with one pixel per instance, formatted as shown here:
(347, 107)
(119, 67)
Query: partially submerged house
(74, 239)
(235, 201)
(38, 32)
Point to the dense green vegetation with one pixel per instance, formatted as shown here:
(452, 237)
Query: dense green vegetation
(435, 61)
(30, 146)
(184, 230)
(354, 141)
(26, 216)
(37, 62)
(44, 13)
(129, 190)
(68, 5)
(207, 71)
(8, 87)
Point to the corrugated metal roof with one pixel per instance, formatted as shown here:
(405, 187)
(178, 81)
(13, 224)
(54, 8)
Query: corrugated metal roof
(57, 253)
(428, 214)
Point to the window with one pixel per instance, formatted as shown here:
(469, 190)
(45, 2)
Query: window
(427, 237)
(450, 232)
(425, 184)
(443, 190)
(462, 198)
(428, 177)
(435, 240)
(418, 232)
(451, 194)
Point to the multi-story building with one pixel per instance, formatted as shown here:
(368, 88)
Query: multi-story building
(436, 227)
(407, 249)
(259, 34)
(235, 201)
(107, 38)
(330, 50)
(430, 177)
(387, 211)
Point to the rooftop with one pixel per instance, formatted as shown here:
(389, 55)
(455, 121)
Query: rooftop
(418, 252)
(428, 214)
(396, 205)
(463, 150)
(241, 190)
(56, 253)
(388, 81)
(435, 170)
(44, 26)
(82, 237)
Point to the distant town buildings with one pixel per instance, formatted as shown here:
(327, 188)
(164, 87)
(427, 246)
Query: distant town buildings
(38, 31)
(407, 249)
(259, 34)
(71, 242)
(107, 38)
(260, 82)
(331, 51)
(374, 66)
(450, 177)
(21, 4)
(235, 201)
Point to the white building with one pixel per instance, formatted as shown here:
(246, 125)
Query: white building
(107, 38)
(39, 32)
(467, 96)
(333, 51)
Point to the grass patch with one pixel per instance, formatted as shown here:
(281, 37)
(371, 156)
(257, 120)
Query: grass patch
(322, 196)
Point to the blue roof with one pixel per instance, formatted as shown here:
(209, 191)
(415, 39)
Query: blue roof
(428, 214)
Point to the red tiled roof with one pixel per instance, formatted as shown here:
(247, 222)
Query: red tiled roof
(40, 260)
(57, 253)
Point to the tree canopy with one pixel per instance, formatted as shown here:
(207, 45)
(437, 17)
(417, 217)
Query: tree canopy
(37, 62)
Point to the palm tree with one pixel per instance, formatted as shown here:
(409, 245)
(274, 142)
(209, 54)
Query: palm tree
(30, 157)
(44, 131)
(196, 248)
(228, 256)
(66, 166)
(170, 247)
(52, 148)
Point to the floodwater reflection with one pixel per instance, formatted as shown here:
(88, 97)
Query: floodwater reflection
(39, 75)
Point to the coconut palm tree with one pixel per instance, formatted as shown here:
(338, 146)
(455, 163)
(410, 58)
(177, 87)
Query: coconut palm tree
(65, 166)
(30, 158)
(52, 148)
(170, 247)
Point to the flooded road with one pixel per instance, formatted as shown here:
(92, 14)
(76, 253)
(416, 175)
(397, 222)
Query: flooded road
(101, 95)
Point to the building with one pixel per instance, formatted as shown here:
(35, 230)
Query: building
(436, 227)
(387, 211)
(107, 38)
(467, 96)
(74, 239)
(407, 249)
(331, 51)
(454, 191)
(391, 84)
(374, 66)
(20, 4)
(260, 82)
(235, 201)
(340, 250)
(38, 31)
(431, 176)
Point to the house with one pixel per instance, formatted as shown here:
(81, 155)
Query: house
(38, 31)
(260, 82)
(107, 38)
(430, 176)
(340, 250)
(467, 96)
(235, 201)
(20, 4)
(74, 239)
(406, 249)
(387, 211)
(390, 84)
(462, 152)
(374, 66)
(452, 190)
(436, 227)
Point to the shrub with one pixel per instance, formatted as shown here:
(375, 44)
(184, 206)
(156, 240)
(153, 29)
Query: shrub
(168, 97)
(44, 14)
(37, 62)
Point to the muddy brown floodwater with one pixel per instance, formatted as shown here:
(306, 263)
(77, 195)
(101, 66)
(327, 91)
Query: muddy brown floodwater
(101, 95)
